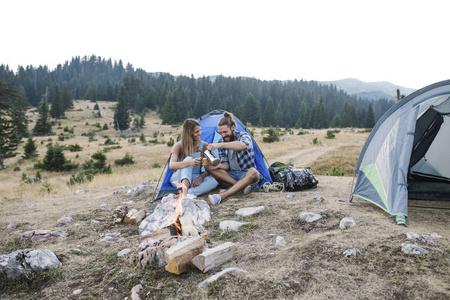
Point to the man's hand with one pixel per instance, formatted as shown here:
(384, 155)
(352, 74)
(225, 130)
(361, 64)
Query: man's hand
(212, 147)
(197, 181)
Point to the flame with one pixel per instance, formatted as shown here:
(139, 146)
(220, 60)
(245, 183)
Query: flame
(179, 202)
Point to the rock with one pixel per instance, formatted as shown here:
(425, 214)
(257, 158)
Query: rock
(94, 221)
(164, 214)
(65, 220)
(104, 206)
(128, 202)
(119, 214)
(22, 262)
(12, 225)
(135, 292)
(77, 292)
(124, 252)
(320, 199)
(231, 225)
(109, 237)
(349, 252)
(413, 249)
(413, 236)
(31, 205)
(248, 211)
(134, 216)
(346, 223)
(40, 236)
(129, 192)
(216, 277)
(310, 217)
(140, 188)
(79, 192)
(290, 195)
(435, 236)
(280, 240)
(427, 239)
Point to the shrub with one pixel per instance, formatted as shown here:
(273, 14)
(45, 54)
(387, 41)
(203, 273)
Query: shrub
(30, 149)
(171, 142)
(330, 134)
(74, 148)
(142, 138)
(156, 166)
(273, 136)
(126, 160)
(55, 160)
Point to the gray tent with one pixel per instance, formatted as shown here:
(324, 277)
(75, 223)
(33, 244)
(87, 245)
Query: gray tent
(407, 153)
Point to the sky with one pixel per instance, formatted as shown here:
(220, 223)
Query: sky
(402, 42)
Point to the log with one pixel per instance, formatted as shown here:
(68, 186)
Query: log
(119, 213)
(134, 216)
(161, 233)
(178, 257)
(182, 263)
(214, 257)
(187, 226)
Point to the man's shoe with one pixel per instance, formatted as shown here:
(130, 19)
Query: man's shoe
(214, 199)
(247, 190)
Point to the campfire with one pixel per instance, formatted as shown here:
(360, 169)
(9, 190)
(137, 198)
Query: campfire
(178, 239)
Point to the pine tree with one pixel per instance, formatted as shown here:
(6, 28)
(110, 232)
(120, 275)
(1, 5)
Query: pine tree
(200, 107)
(269, 114)
(370, 119)
(250, 112)
(57, 109)
(19, 110)
(174, 110)
(66, 98)
(9, 138)
(43, 126)
(348, 116)
(121, 114)
(30, 148)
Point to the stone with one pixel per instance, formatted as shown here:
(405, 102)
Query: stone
(65, 220)
(216, 276)
(77, 292)
(279, 240)
(135, 292)
(249, 211)
(40, 236)
(124, 252)
(12, 225)
(413, 249)
(231, 225)
(413, 236)
(79, 192)
(346, 223)
(320, 199)
(165, 214)
(94, 221)
(435, 236)
(128, 202)
(25, 261)
(349, 252)
(104, 206)
(310, 217)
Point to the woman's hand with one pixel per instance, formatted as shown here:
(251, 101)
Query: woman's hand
(196, 161)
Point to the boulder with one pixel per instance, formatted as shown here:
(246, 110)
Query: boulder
(25, 261)
(310, 217)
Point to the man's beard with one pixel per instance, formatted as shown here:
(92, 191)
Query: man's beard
(232, 137)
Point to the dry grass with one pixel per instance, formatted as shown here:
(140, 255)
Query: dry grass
(310, 266)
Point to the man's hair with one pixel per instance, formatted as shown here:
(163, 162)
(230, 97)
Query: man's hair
(227, 119)
(187, 142)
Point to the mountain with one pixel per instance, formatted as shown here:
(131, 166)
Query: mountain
(369, 90)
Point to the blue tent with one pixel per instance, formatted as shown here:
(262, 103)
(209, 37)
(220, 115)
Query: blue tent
(210, 134)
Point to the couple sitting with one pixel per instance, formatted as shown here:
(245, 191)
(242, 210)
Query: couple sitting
(236, 170)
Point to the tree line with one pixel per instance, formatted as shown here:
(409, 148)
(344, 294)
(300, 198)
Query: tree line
(305, 104)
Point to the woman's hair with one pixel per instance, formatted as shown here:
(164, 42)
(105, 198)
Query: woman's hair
(187, 142)
(227, 119)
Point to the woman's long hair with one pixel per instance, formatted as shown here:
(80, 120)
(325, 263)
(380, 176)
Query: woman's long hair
(187, 142)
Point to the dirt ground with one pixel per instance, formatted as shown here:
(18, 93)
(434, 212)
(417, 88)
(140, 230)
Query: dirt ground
(310, 265)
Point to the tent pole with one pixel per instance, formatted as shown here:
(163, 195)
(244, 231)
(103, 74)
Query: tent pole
(159, 180)
(351, 190)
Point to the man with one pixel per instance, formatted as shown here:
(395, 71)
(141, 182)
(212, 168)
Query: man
(237, 168)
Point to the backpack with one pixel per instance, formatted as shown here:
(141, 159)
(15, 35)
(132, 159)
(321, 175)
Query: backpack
(292, 179)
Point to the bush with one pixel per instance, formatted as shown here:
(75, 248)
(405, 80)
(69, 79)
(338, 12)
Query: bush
(126, 160)
(142, 138)
(330, 134)
(74, 148)
(55, 160)
(156, 166)
(273, 136)
(171, 142)
(30, 149)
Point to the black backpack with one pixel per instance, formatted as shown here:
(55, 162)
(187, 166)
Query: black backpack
(292, 179)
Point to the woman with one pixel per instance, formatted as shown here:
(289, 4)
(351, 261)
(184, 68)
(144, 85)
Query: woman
(186, 160)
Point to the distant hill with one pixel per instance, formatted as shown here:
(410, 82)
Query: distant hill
(369, 90)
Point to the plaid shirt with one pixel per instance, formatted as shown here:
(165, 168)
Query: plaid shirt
(246, 157)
